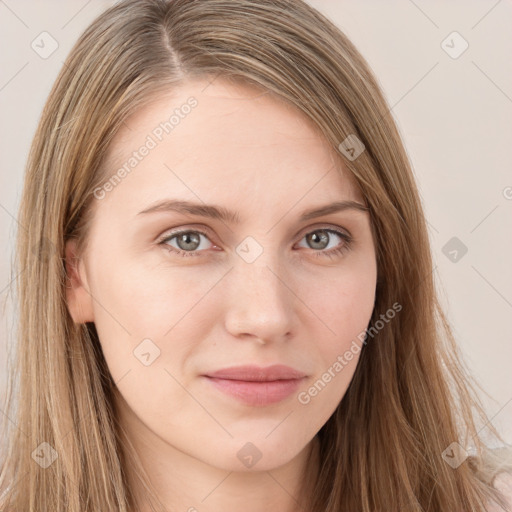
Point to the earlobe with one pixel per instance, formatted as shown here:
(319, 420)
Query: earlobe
(78, 298)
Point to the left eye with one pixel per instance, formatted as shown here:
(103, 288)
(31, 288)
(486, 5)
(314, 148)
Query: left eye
(323, 236)
(188, 242)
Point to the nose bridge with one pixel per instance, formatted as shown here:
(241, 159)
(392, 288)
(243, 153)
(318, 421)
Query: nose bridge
(261, 303)
(260, 278)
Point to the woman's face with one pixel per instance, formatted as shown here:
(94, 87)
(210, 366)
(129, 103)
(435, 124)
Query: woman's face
(202, 257)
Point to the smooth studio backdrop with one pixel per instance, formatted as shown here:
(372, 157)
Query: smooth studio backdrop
(445, 70)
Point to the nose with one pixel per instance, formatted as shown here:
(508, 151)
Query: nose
(261, 305)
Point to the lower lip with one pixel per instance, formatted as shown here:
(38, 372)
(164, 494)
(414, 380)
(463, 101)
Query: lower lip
(256, 392)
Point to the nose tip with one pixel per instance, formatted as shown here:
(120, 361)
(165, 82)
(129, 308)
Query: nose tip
(261, 305)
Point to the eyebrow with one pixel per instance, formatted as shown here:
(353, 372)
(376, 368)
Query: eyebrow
(223, 214)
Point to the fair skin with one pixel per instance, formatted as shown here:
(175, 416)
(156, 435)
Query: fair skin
(293, 304)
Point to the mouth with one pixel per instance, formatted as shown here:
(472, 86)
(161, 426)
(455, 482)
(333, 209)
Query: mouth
(257, 386)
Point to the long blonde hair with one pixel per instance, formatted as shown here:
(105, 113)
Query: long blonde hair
(410, 397)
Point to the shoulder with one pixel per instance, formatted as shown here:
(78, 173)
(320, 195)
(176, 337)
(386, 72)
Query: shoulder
(503, 483)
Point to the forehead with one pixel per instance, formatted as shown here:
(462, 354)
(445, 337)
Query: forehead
(235, 135)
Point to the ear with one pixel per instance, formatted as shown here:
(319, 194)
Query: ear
(79, 300)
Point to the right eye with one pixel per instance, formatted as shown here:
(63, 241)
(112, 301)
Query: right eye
(187, 241)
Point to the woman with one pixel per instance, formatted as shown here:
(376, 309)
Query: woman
(230, 301)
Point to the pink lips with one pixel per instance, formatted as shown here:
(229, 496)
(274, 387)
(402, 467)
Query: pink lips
(254, 385)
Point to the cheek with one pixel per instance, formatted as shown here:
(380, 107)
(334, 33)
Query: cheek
(147, 322)
(343, 307)
(344, 302)
(144, 295)
(140, 308)
(347, 314)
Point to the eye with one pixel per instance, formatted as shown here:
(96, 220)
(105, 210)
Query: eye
(187, 242)
(321, 239)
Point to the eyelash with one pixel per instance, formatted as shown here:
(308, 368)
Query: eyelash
(318, 253)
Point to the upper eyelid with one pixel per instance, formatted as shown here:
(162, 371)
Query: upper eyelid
(174, 232)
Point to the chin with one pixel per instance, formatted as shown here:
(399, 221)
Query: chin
(257, 455)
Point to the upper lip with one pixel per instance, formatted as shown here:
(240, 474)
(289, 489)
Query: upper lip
(254, 373)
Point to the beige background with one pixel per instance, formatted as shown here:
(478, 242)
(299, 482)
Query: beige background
(453, 113)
